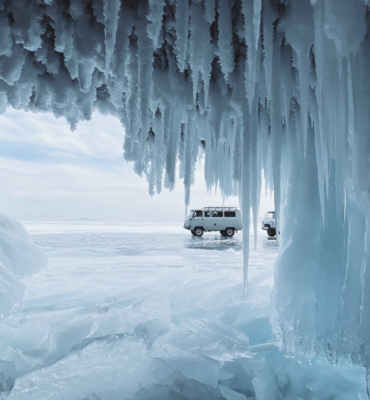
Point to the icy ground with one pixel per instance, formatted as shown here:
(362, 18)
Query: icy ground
(150, 312)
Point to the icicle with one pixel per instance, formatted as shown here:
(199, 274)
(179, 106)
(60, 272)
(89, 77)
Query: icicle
(155, 17)
(314, 116)
(225, 38)
(251, 66)
(145, 62)
(111, 11)
(286, 80)
(257, 9)
(159, 149)
(322, 52)
(341, 140)
(200, 51)
(268, 16)
(133, 98)
(182, 29)
(190, 155)
(255, 172)
(299, 33)
(210, 10)
(246, 194)
(346, 36)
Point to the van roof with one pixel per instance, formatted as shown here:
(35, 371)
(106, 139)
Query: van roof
(220, 208)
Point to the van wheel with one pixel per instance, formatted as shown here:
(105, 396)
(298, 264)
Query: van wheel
(198, 231)
(271, 232)
(192, 232)
(229, 232)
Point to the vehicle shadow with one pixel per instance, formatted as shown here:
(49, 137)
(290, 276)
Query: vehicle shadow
(214, 242)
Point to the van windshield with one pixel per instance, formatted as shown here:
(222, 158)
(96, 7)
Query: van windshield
(270, 215)
(194, 213)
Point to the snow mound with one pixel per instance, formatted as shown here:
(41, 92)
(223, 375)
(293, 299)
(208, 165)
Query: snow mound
(18, 257)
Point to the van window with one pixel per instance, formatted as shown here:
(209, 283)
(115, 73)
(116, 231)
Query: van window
(230, 214)
(197, 213)
(207, 213)
(216, 214)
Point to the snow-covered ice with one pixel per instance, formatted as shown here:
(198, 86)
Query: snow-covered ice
(19, 257)
(142, 312)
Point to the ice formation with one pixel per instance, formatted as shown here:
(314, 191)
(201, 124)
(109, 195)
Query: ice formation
(274, 85)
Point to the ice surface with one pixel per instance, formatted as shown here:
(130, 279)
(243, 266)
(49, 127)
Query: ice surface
(275, 86)
(152, 314)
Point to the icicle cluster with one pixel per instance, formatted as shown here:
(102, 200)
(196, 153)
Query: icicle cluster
(274, 85)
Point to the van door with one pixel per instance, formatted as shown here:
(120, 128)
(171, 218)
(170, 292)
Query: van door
(198, 218)
(208, 224)
(214, 221)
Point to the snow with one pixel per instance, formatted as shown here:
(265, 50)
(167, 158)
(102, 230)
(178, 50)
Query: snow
(279, 87)
(152, 313)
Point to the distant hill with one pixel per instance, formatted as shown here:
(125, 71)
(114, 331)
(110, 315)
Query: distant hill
(84, 220)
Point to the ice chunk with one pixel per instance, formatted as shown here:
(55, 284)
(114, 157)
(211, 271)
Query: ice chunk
(11, 290)
(7, 376)
(230, 394)
(112, 357)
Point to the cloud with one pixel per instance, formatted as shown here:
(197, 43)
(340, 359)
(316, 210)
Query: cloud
(49, 173)
(24, 135)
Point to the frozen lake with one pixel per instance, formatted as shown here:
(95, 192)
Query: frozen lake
(105, 265)
(143, 312)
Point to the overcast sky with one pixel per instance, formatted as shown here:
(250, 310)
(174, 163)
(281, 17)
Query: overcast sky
(48, 173)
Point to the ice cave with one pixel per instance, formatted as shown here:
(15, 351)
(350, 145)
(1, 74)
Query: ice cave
(279, 88)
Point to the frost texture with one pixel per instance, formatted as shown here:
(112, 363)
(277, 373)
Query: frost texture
(279, 86)
(18, 257)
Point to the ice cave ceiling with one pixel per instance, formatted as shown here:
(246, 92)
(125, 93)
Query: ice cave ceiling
(276, 86)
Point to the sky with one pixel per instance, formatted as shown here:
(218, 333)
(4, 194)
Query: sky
(49, 173)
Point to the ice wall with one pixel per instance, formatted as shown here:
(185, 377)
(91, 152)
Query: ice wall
(18, 257)
(272, 85)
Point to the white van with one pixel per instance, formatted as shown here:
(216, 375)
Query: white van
(226, 220)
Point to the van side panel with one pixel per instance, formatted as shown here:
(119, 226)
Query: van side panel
(222, 224)
(214, 223)
(229, 222)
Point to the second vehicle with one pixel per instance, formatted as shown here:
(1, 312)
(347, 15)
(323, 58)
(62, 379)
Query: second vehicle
(268, 223)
